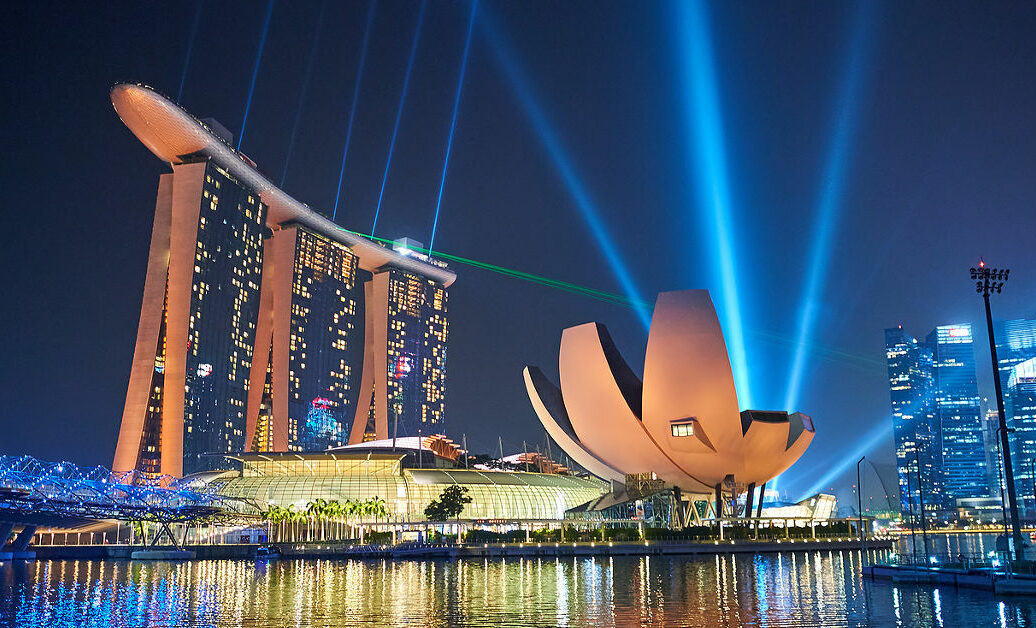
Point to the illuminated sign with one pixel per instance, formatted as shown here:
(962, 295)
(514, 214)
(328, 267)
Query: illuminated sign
(404, 364)
(958, 332)
(204, 370)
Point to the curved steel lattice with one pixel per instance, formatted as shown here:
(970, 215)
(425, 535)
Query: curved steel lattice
(33, 490)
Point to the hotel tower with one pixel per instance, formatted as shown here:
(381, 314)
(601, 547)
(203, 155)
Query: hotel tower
(264, 326)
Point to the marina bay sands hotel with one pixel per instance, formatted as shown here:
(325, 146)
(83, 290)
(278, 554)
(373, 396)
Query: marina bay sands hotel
(265, 326)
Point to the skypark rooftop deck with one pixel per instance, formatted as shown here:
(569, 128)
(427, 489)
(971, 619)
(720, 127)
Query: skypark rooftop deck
(176, 136)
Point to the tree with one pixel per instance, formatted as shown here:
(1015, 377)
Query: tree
(449, 505)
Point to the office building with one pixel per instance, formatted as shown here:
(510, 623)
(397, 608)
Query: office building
(958, 413)
(915, 434)
(937, 418)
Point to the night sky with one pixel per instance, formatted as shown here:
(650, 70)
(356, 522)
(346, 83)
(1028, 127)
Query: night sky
(939, 141)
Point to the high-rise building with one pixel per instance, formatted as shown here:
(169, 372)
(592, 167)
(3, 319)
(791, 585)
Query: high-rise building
(249, 336)
(936, 411)
(958, 413)
(913, 421)
(1016, 352)
(309, 344)
(197, 322)
(1021, 408)
(406, 319)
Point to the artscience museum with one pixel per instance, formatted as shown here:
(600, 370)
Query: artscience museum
(680, 423)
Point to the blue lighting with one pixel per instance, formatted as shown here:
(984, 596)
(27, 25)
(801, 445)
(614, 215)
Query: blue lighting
(880, 433)
(707, 152)
(453, 124)
(190, 47)
(563, 163)
(305, 88)
(829, 202)
(255, 71)
(399, 112)
(352, 109)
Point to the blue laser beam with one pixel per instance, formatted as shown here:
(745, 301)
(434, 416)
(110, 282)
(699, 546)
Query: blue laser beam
(830, 197)
(305, 87)
(190, 47)
(707, 151)
(877, 435)
(255, 71)
(563, 163)
(453, 124)
(399, 112)
(352, 108)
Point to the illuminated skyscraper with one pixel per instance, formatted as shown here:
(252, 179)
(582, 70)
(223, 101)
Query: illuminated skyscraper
(249, 336)
(913, 419)
(936, 410)
(302, 382)
(1016, 350)
(189, 381)
(958, 413)
(406, 326)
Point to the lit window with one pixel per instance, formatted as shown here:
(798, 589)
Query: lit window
(682, 428)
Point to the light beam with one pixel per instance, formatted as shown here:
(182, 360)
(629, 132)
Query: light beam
(453, 124)
(830, 197)
(190, 47)
(881, 432)
(399, 112)
(352, 108)
(563, 163)
(255, 71)
(707, 151)
(305, 88)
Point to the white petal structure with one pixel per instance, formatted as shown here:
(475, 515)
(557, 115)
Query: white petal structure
(682, 422)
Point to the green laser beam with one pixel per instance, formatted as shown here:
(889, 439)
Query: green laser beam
(600, 295)
(822, 351)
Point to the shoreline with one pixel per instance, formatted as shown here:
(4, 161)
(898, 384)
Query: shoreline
(481, 550)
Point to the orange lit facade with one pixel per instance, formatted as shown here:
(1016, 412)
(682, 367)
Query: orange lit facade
(264, 326)
(680, 422)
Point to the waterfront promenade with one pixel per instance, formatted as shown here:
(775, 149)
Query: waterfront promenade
(474, 550)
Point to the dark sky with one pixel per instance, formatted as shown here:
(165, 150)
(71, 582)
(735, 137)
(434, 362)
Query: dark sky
(941, 170)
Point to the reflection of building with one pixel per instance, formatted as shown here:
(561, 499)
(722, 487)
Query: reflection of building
(681, 422)
(936, 413)
(249, 335)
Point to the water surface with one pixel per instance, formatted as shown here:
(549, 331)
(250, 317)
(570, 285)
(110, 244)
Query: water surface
(786, 589)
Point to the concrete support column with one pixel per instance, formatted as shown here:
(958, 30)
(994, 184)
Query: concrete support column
(5, 531)
(21, 542)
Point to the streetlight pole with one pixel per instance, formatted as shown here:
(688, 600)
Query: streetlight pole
(1000, 481)
(910, 509)
(989, 280)
(859, 509)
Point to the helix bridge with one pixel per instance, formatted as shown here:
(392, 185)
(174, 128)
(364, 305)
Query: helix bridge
(38, 493)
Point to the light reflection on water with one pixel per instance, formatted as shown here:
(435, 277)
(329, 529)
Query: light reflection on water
(786, 589)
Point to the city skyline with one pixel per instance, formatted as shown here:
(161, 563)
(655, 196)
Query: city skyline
(919, 143)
